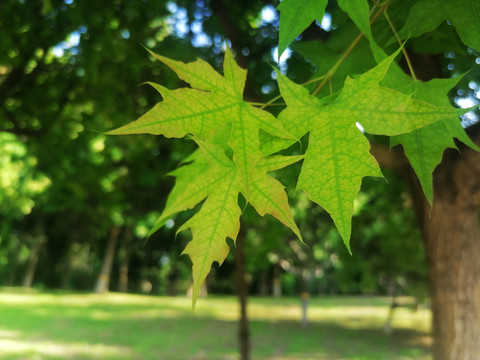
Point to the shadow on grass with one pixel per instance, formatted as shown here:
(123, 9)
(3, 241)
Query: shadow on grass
(55, 329)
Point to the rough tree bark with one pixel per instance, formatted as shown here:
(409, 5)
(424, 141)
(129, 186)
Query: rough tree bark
(452, 242)
(451, 232)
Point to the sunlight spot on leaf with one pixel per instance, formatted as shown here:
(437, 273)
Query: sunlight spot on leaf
(360, 127)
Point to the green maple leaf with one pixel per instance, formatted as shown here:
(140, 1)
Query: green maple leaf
(424, 147)
(324, 57)
(212, 176)
(338, 155)
(296, 16)
(359, 12)
(427, 15)
(213, 101)
(214, 114)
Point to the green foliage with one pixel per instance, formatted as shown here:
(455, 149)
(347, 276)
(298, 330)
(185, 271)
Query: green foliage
(236, 140)
(337, 144)
(66, 69)
(19, 183)
(424, 147)
(216, 101)
(359, 12)
(296, 16)
(426, 15)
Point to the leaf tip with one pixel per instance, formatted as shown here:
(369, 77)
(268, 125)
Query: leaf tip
(345, 234)
(347, 245)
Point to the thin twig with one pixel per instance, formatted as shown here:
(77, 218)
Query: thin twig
(347, 52)
(407, 58)
(264, 105)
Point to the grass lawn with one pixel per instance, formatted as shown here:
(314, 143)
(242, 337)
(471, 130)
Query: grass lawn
(119, 326)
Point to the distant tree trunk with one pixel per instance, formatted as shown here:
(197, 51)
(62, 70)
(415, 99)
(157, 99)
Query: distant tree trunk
(172, 278)
(452, 239)
(305, 296)
(277, 283)
(392, 291)
(67, 266)
(103, 279)
(242, 292)
(305, 276)
(263, 283)
(32, 261)
(123, 267)
(13, 265)
(66, 273)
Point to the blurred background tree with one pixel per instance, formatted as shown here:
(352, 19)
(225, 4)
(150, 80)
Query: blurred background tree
(69, 193)
(76, 205)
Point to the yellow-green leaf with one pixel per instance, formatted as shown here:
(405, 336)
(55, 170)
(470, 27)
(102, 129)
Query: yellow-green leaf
(217, 219)
(213, 176)
(424, 147)
(214, 101)
(385, 111)
(338, 154)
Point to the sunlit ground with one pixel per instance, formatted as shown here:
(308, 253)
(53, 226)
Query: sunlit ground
(119, 326)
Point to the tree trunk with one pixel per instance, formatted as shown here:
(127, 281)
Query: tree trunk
(305, 296)
(452, 239)
(103, 279)
(32, 261)
(276, 283)
(451, 232)
(66, 273)
(123, 267)
(242, 292)
(13, 265)
(263, 283)
(67, 264)
(392, 291)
